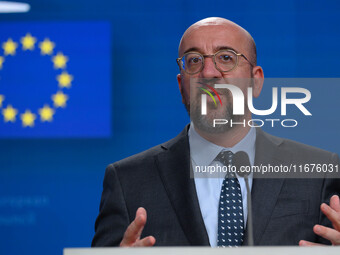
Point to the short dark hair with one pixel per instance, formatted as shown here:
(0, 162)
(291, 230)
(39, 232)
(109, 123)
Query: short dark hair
(252, 51)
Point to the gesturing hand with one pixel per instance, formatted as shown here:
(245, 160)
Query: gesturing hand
(332, 212)
(133, 232)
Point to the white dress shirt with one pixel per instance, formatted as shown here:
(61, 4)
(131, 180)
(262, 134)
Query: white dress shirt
(208, 190)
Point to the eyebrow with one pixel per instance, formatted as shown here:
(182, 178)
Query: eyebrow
(218, 48)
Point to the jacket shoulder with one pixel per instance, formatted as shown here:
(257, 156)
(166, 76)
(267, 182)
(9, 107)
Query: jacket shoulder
(145, 158)
(298, 149)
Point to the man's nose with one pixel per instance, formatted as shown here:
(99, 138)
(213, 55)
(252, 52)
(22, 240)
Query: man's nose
(209, 70)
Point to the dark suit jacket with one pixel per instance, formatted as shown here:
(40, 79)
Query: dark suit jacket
(284, 210)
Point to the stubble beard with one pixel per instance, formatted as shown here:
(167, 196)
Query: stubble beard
(205, 123)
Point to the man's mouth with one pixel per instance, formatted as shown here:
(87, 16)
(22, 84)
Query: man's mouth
(213, 94)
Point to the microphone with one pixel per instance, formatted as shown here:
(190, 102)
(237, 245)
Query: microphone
(241, 159)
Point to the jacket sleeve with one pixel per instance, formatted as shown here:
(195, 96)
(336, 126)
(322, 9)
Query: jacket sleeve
(113, 218)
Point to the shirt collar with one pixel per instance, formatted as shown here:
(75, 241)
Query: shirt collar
(203, 152)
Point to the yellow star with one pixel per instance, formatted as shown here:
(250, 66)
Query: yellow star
(9, 47)
(28, 42)
(59, 99)
(2, 60)
(28, 118)
(2, 98)
(59, 60)
(9, 113)
(46, 47)
(46, 113)
(64, 80)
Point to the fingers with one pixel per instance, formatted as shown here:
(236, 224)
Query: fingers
(335, 203)
(331, 213)
(145, 242)
(140, 221)
(306, 243)
(134, 230)
(328, 233)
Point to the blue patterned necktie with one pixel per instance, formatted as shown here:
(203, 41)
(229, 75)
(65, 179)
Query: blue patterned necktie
(230, 210)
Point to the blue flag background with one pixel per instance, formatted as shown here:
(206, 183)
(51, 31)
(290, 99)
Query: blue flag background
(76, 104)
(50, 188)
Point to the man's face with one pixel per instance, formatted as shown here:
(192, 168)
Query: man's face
(207, 40)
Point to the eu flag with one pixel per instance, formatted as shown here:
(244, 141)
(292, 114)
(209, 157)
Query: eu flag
(55, 80)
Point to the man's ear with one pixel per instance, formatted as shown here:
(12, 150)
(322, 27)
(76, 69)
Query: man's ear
(258, 80)
(179, 80)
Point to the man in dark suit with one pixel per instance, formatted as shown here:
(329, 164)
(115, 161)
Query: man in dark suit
(182, 210)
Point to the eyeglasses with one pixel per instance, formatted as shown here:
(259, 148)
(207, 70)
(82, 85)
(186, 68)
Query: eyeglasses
(224, 60)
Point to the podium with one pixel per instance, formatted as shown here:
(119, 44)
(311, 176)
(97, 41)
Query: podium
(257, 250)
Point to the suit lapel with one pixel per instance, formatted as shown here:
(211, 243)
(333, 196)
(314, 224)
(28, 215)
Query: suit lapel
(265, 191)
(174, 169)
